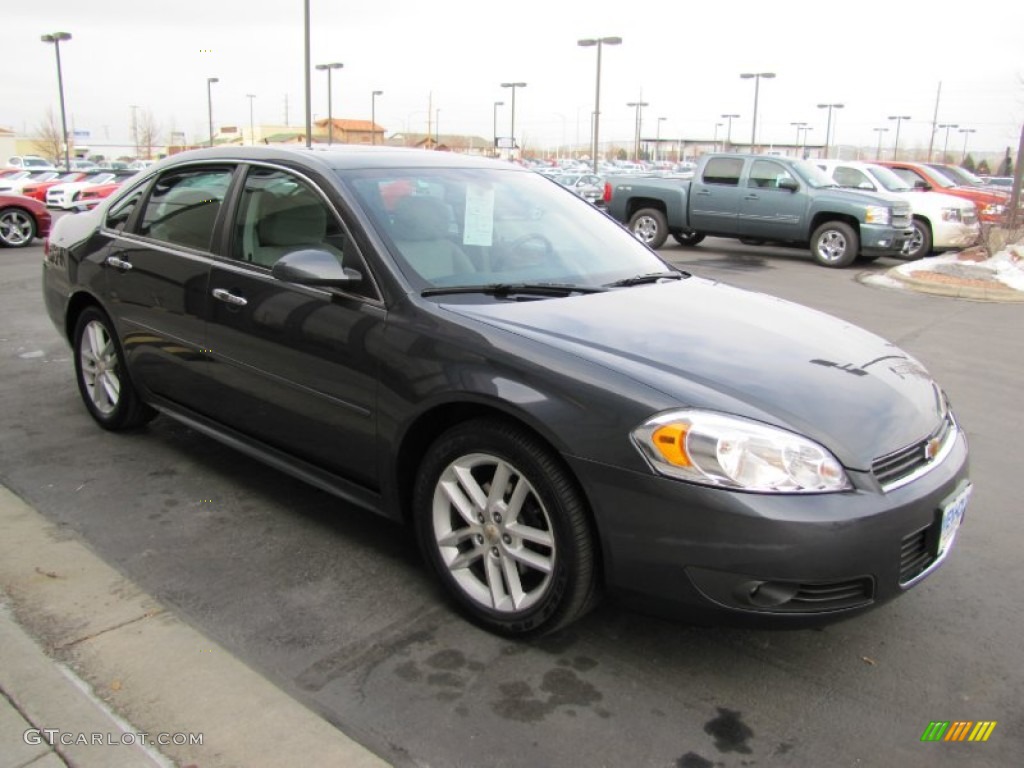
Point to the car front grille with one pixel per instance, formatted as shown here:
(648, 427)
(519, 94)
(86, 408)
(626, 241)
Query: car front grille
(812, 598)
(901, 217)
(915, 555)
(897, 468)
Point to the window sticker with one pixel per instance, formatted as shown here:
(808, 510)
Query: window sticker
(479, 225)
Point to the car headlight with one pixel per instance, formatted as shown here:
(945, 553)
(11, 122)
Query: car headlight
(878, 214)
(951, 214)
(732, 452)
(994, 209)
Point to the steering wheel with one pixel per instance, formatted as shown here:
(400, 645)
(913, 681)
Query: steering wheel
(522, 252)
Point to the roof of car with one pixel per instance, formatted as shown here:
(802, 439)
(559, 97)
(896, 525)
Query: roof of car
(348, 157)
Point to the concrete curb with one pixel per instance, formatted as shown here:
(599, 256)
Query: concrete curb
(158, 673)
(994, 292)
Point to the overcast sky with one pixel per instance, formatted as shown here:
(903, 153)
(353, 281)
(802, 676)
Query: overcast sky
(682, 58)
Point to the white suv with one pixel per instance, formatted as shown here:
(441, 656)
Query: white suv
(941, 222)
(30, 163)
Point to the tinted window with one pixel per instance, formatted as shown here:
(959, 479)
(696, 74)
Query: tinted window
(118, 216)
(183, 206)
(845, 176)
(765, 174)
(723, 170)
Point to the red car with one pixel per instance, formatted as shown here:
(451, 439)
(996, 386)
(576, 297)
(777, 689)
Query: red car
(91, 197)
(21, 219)
(37, 189)
(991, 204)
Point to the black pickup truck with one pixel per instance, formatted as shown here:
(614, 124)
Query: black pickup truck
(760, 199)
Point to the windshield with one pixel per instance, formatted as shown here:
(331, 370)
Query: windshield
(958, 175)
(812, 174)
(484, 226)
(888, 179)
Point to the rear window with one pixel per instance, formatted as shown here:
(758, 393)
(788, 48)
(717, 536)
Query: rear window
(723, 170)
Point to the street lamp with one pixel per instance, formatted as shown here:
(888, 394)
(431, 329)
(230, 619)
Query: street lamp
(728, 130)
(586, 43)
(717, 126)
(373, 115)
(57, 38)
(209, 103)
(828, 125)
(966, 132)
(496, 105)
(639, 119)
(252, 128)
(657, 140)
(945, 144)
(330, 113)
(878, 152)
(513, 86)
(803, 153)
(799, 127)
(757, 87)
(437, 128)
(899, 120)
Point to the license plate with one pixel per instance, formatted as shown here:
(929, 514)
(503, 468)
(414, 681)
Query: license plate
(952, 515)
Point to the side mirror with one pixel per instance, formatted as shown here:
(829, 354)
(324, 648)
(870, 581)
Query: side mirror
(924, 186)
(312, 266)
(790, 184)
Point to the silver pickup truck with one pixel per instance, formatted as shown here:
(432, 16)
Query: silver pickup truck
(761, 199)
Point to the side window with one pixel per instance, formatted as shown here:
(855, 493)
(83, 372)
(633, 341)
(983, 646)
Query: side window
(118, 216)
(723, 170)
(183, 206)
(280, 213)
(765, 174)
(845, 176)
(907, 175)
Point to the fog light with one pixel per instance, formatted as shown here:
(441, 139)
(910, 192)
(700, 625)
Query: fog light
(884, 243)
(766, 594)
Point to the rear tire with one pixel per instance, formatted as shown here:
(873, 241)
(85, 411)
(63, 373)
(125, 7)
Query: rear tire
(17, 228)
(688, 237)
(835, 244)
(504, 527)
(102, 377)
(649, 226)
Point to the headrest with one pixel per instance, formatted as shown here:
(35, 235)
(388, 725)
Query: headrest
(420, 218)
(304, 223)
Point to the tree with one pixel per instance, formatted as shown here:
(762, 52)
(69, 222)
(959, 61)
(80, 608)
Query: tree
(1006, 166)
(968, 164)
(49, 143)
(148, 129)
(983, 168)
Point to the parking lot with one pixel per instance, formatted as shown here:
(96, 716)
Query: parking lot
(334, 606)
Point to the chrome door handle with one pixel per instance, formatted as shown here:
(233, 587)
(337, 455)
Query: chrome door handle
(703, 192)
(229, 298)
(751, 197)
(118, 263)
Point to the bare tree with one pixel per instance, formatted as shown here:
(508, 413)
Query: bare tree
(148, 130)
(49, 143)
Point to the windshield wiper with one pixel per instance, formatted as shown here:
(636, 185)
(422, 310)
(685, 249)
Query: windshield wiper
(508, 289)
(652, 277)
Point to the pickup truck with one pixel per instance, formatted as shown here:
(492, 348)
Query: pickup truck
(762, 199)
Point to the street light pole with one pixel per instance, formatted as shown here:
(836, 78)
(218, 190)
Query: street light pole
(639, 111)
(803, 153)
(373, 115)
(966, 132)
(728, 130)
(330, 113)
(799, 127)
(828, 126)
(757, 87)
(513, 86)
(135, 127)
(598, 42)
(878, 152)
(209, 103)
(899, 120)
(945, 144)
(657, 139)
(252, 125)
(57, 38)
(496, 105)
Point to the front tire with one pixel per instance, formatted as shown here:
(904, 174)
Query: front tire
(505, 529)
(17, 228)
(921, 241)
(103, 380)
(835, 244)
(649, 226)
(688, 237)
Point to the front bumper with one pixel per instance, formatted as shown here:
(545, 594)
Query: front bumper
(707, 554)
(883, 241)
(950, 235)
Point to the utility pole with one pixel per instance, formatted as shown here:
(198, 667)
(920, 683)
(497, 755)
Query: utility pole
(935, 120)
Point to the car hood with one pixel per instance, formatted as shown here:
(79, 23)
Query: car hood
(827, 195)
(708, 345)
